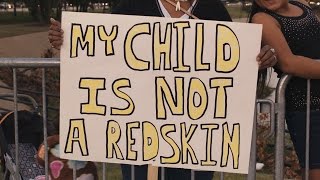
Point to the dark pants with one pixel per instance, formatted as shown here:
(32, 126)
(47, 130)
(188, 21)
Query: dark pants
(296, 122)
(170, 173)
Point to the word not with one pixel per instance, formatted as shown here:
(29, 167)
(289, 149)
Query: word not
(163, 95)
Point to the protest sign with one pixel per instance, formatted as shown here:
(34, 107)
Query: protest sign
(161, 91)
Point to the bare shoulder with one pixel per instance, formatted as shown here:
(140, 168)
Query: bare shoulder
(264, 18)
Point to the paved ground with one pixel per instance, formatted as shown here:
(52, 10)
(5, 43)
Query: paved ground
(30, 45)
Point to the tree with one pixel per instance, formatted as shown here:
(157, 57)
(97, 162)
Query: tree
(112, 3)
(33, 8)
(14, 2)
(45, 10)
(40, 10)
(59, 8)
(15, 7)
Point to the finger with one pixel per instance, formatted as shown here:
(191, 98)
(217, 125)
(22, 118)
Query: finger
(263, 51)
(57, 48)
(269, 63)
(55, 33)
(268, 58)
(54, 38)
(55, 28)
(275, 61)
(57, 44)
(54, 22)
(263, 67)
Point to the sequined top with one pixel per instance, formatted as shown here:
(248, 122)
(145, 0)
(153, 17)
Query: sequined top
(303, 37)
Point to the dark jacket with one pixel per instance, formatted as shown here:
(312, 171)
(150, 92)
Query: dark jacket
(203, 9)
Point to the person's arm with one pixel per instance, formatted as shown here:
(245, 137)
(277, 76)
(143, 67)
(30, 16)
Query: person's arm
(287, 61)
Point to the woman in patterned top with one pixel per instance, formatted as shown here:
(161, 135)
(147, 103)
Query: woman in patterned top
(294, 31)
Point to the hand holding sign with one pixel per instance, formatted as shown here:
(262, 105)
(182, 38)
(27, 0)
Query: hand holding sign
(55, 34)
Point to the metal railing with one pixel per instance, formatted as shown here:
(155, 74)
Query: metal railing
(277, 123)
(280, 128)
(27, 63)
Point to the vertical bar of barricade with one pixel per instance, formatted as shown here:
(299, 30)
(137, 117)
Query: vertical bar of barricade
(193, 175)
(253, 156)
(280, 127)
(163, 171)
(74, 172)
(44, 115)
(272, 120)
(221, 176)
(132, 173)
(103, 171)
(16, 126)
(307, 131)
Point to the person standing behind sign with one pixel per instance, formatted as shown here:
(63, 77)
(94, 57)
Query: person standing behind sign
(202, 9)
(294, 31)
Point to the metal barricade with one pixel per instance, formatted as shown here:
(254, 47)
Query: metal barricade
(55, 63)
(280, 128)
(308, 117)
(26, 63)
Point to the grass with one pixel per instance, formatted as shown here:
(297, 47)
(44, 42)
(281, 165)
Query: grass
(8, 18)
(113, 171)
(21, 24)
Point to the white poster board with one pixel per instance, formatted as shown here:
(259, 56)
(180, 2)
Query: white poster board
(150, 90)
